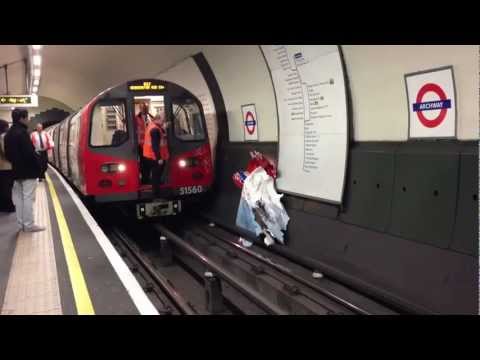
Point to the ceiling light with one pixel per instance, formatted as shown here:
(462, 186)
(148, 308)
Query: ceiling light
(36, 82)
(35, 89)
(36, 73)
(37, 60)
(36, 47)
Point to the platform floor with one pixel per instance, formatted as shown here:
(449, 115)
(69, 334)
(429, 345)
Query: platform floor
(71, 268)
(33, 284)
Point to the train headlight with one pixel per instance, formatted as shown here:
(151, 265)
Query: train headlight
(113, 168)
(189, 162)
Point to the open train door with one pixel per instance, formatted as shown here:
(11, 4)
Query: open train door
(188, 172)
(149, 98)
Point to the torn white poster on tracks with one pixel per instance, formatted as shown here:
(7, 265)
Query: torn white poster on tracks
(261, 197)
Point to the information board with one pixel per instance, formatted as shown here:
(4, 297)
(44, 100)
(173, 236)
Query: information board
(24, 101)
(311, 100)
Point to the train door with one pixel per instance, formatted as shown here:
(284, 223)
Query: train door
(147, 108)
(188, 169)
(113, 167)
(191, 170)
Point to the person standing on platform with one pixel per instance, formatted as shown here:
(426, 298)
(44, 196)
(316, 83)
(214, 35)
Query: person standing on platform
(6, 178)
(155, 150)
(20, 152)
(42, 143)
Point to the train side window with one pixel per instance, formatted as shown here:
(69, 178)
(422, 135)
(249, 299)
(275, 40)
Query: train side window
(108, 126)
(73, 148)
(187, 120)
(63, 147)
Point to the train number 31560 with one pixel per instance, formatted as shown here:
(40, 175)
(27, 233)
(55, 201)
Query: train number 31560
(187, 190)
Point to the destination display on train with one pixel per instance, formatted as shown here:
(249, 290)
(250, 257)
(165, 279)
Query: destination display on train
(18, 100)
(145, 86)
(312, 113)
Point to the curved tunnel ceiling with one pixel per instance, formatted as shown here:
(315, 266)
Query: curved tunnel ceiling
(14, 56)
(73, 74)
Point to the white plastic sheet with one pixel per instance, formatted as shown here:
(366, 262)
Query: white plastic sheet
(259, 193)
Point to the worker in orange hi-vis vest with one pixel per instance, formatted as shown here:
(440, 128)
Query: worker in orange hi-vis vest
(155, 149)
(42, 143)
(141, 122)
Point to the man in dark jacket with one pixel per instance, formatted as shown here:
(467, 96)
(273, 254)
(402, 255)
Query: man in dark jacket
(20, 152)
(6, 179)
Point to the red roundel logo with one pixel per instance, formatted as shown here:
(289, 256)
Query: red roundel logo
(443, 104)
(250, 123)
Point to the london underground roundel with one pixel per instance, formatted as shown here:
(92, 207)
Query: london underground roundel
(250, 122)
(431, 102)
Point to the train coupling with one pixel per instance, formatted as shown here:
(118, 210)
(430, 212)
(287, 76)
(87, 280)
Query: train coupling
(159, 208)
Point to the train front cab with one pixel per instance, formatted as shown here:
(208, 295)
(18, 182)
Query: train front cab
(113, 163)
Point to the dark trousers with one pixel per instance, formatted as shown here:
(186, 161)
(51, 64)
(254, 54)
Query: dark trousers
(6, 184)
(144, 167)
(157, 174)
(43, 160)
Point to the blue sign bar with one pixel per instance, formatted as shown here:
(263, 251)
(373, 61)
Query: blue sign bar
(432, 105)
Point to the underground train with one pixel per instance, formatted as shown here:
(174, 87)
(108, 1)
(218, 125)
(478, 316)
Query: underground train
(106, 167)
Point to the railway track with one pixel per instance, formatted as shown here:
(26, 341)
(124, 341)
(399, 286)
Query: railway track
(285, 287)
(347, 286)
(168, 300)
(189, 267)
(320, 283)
(172, 285)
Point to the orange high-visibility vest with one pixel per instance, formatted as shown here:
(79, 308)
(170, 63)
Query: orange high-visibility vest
(140, 129)
(147, 145)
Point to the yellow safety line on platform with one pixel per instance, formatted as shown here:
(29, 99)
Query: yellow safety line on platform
(79, 286)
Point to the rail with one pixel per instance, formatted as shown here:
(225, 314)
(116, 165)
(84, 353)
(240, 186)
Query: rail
(183, 305)
(381, 296)
(254, 296)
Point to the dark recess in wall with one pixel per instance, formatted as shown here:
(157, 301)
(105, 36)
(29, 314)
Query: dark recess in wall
(48, 118)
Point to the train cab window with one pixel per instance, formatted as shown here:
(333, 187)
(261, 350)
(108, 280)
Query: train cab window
(109, 126)
(147, 107)
(187, 120)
